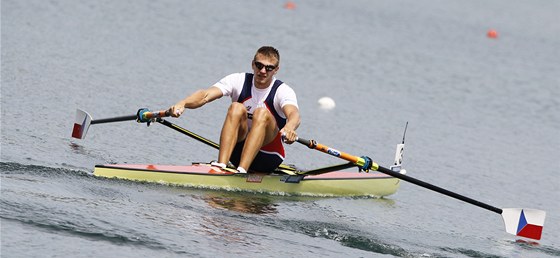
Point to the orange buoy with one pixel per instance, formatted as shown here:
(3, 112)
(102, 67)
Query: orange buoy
(290, 5)
(492, 34)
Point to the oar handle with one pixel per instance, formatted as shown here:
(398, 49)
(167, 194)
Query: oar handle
(359, 161)
(145, 115)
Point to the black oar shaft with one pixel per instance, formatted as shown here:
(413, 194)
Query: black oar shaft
(113, 119)
(328, 169)
(320, 147)
(143, 115)
(439, 189)
(188, 133)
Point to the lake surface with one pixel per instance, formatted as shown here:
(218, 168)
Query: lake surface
(483, 114)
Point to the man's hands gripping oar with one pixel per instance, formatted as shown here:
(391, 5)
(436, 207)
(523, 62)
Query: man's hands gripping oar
(520, 222)
(83, 120)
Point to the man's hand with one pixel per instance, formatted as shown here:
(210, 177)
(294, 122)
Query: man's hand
(288, 135)
(177, 109)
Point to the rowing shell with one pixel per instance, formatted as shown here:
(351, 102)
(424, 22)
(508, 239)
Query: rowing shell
(338, 183)
(323, 181)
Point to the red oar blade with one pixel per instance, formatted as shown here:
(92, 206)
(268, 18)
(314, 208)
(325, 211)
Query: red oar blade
(524, 222)
(81, 124)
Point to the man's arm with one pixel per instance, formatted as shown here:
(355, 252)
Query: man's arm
(196, 100)
(292, 123)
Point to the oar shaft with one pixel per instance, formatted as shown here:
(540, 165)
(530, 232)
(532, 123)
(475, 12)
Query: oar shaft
(147, 115)
(188, 133)
(113, 119)
(374, 166)
(439, 189)
(328, 169)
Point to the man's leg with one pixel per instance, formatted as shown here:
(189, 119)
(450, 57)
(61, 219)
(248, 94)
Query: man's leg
(234, 130)
(263, 131)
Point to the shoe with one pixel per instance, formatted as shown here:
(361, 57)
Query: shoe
(217, 164)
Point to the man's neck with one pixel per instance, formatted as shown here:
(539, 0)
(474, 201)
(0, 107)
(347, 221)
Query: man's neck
(261, 86)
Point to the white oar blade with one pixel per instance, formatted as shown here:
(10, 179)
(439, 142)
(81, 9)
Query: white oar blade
(81, 124)
(399, 154)
(524, 222)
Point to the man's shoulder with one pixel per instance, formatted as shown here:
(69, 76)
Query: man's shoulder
(233, 79)
(285, 87)
(236, 75)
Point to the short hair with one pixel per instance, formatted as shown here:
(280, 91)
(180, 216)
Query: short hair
(268, 51)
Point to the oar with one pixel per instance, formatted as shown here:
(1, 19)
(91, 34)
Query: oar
(188, 133)
(520, 222)
(83, 120)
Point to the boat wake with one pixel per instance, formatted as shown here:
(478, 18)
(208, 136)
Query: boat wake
(352, 238)
(84, 231)
(8, 168)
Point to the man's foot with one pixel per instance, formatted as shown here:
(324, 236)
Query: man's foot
(223, 167)
(241, 170)
(217, 164)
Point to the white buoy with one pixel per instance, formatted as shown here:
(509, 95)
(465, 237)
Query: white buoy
(326, 103)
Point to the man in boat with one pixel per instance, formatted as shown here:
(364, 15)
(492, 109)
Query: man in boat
(263, 113)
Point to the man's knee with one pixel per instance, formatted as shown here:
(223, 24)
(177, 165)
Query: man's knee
(262, 116)
(237, 109)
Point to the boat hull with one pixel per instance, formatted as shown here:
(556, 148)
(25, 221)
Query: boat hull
(340, 183)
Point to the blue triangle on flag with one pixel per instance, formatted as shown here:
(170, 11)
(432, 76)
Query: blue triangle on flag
(522, 222)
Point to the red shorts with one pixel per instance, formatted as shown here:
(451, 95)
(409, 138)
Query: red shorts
(268, 158)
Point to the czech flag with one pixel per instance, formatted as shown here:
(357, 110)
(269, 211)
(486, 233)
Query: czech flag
(524, 222)
(81, 124)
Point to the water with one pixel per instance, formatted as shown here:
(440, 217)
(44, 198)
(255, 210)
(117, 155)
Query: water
(483, 118)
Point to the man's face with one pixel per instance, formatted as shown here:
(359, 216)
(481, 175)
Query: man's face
(268, 68)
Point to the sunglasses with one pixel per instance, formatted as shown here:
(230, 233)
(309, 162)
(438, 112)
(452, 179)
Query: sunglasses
(268, 68)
